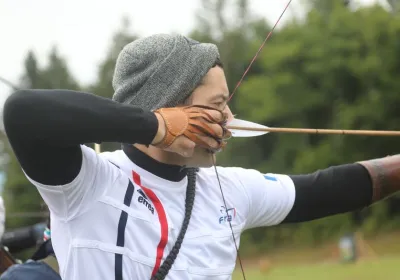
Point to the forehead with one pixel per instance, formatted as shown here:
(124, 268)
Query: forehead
(213, 85)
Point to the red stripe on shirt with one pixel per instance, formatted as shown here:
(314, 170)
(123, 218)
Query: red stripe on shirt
(161, 217)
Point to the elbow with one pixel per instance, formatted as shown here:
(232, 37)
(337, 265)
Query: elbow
(16, 109)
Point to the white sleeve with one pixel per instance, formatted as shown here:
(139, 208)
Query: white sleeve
(2, 217)
(270, 197)
(70, 200)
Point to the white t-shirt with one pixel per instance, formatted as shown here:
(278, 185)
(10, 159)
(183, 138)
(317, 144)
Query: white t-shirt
(116, 218)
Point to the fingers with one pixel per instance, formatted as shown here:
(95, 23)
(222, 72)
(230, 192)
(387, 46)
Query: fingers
(205, 128)
(209, 114)
(219, 131)
(209, 143)
(204, 141)
(208, 129)
(216, 116)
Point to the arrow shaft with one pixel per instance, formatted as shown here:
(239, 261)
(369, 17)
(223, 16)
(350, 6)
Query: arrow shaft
(319, 131)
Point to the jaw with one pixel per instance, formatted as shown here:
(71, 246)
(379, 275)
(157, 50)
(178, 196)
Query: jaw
(202, 158)
(161, 155)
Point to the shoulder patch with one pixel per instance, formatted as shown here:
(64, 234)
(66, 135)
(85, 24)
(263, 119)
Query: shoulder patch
(270, 178)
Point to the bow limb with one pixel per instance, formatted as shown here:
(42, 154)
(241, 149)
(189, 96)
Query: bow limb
(259, 50)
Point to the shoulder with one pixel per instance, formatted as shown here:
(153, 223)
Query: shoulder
(105, 161)
(236, 175)
(97, 174)
(233, 180)
(115, 158)
(94, 169)
(248, 181)
(265, 198)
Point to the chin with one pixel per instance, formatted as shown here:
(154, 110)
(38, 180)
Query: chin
(201, 159)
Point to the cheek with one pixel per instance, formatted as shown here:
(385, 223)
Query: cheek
(199, 96)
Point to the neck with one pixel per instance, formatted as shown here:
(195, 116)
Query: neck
(161, 155)
(155, 163)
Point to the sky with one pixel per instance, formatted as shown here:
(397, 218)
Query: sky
(82, 29)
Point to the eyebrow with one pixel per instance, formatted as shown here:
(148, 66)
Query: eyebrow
(222, 96)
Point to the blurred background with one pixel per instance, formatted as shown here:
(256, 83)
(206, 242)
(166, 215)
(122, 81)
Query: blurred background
(329, 64)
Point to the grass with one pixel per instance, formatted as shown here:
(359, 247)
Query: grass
(380, 260)
(373, 269)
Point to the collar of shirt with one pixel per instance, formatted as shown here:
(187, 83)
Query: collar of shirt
(154, 173)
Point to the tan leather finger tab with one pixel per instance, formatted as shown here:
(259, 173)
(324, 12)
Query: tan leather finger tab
(204, 114)
(204, 129)
(211, 118)
(193, 136)
(176, 122)
(167, 140)
(191, 121)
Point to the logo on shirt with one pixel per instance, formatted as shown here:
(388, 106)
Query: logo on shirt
(270, 178)
(227, 214)
(145, 201)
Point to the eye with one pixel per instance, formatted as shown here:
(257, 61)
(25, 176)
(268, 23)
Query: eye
(219, 105)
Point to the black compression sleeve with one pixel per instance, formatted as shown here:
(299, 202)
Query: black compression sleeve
(46, 127)
(331, 191)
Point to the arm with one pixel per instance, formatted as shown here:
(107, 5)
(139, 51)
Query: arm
(344, 188)
(277, 198)
(46, 128)
(331, 191)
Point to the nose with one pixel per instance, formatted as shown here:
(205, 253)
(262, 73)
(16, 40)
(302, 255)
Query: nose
(228, 112)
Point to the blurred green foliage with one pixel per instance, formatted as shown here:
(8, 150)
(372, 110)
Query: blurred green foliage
(336, 68)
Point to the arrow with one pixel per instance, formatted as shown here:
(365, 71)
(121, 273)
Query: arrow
(242, 128)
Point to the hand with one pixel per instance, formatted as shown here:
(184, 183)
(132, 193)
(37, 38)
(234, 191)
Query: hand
(181, 129)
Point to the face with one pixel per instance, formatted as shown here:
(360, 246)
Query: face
(212, 92)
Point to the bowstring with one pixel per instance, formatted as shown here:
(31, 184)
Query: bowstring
(260, 49)
(234, 91)
(229, 221)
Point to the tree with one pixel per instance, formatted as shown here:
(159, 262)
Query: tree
(30, 78)
(57, 74)
(326, 7)
(335, 72)
(394, 5)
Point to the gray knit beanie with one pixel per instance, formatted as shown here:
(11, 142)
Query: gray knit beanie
(161, 70)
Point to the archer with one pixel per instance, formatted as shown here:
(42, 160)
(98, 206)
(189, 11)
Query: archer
(169, 111)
